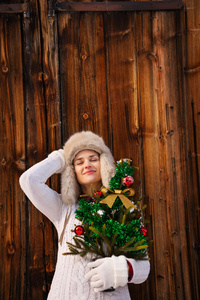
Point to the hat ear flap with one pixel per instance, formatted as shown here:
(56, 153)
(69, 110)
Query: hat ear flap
(70, 189)
(107, 168)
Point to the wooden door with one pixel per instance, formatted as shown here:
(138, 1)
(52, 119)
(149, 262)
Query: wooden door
(126, 75)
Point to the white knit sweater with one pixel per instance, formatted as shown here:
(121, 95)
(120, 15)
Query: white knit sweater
(68, 281)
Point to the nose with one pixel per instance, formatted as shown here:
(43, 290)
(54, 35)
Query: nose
(87, 164)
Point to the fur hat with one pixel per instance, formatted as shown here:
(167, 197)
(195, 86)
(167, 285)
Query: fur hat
(70, 189)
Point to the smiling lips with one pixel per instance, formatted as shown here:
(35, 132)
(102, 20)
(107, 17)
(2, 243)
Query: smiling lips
(89, 172)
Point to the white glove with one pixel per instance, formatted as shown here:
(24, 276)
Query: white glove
(108, 272)
(59, 153)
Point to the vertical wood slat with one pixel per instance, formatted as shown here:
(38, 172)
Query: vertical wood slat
(172, 153)
(122, 84)
(122, 97)
(162, 138)
(36, 142)
(53, 124)
(192, 91)
(83, 85)
(43, 136)
(12, 149)
(146, 121)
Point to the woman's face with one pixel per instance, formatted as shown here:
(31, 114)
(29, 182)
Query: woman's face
(87, 170)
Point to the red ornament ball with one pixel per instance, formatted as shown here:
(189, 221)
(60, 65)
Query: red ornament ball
(79, 230)
(144, 231)
(98, 193)
(128, 180)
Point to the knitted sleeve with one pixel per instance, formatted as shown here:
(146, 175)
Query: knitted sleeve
(33, 181)
(141, 269)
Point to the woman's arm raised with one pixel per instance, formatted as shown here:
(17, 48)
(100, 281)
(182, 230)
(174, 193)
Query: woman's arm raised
(33, 181)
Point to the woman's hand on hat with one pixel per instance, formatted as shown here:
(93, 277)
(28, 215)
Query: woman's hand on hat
(107, 272)
(60, 154)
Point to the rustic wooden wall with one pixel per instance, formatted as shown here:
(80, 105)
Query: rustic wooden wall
(132, 77)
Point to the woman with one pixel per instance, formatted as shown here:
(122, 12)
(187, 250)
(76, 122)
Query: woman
(85, 160)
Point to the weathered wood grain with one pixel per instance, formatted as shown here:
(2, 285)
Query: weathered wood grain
(50, 66)
(192, 92)
(36, 143)
(43, 131)
(146, 126)
(122, 84)
(117, 6)
(170, 193)
(12, 149)
(11, 8)
(134, 79)
(83, 75)
(123, 94)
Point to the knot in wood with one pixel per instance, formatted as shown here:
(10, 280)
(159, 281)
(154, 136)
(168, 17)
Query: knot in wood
(42, 77)
(153, 56)
(160, 68)
(174, 233)
(84, 57)
(11, 249)
(162, 138)
(3, 162)
(166, 253)
(85, 116)
(45, 77)
(4, 69)
(42, 224)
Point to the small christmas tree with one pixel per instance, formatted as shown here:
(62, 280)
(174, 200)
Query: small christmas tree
(112, 223)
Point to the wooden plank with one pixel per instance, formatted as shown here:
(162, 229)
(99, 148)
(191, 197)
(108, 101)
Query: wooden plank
(123, 80)
(175, 152)
(13, 8)
(117, 6)
(164, 154)
(122, 84)
(12, 149)
(83, 74)
(98, 6)
(36, 147)
(43, 133)
(146, 127)
(50, 65)
(121, 59)
(192, 90)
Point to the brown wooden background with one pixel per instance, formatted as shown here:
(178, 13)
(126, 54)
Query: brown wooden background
(132, 77)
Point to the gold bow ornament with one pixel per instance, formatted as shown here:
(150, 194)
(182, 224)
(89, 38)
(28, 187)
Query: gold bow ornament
(110, 199)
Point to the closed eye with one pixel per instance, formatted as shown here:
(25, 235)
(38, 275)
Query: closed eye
(78, 162)
(94, 159)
